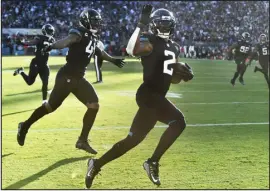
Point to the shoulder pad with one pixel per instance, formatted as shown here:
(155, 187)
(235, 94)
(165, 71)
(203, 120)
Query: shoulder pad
(75, 31)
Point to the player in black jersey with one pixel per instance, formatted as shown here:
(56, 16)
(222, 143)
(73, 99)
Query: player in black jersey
(158, 54)
(261, 51)
(240, 51)
(38, 64)
(70, 78)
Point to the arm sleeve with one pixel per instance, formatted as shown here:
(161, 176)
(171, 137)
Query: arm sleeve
(75, 31)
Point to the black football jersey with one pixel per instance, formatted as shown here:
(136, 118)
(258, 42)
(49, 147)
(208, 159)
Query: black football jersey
(80, 53)
(157, 66)
(42, 42)
(242, 50)
(263, 52)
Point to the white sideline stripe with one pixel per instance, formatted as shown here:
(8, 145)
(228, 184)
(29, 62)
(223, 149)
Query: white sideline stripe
(219, 103)
(127, 127)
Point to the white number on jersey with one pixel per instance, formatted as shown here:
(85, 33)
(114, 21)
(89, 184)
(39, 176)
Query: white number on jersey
(244, 49)
(90, 48)
(166, 69)
(265, 51)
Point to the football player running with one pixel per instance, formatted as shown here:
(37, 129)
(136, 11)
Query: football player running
(240, 51)
(261, 52)
(158, 55)
(38, 64)
(70, 78)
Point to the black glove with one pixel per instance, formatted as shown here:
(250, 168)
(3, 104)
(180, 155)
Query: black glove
(145, 16)
(119, 62)
(187, 73)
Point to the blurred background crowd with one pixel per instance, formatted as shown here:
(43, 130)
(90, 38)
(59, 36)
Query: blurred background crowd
(204, 25)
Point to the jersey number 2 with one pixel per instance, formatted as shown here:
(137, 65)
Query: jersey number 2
(166, 69)
(90, 48)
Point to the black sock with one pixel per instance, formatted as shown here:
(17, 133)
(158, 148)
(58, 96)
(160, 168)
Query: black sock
(36, 115)
(88, 121)
(166, 140)
(44, 91)
(236, 74)
(118, 150)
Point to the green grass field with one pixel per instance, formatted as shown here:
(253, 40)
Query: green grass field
(225, 145)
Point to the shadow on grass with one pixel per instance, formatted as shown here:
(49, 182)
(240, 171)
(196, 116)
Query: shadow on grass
(21, 183)
(7, 155)
(22, 93)
(7, 114)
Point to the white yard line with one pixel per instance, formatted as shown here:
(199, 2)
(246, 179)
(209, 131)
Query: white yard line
(221, 103)
(127, 127)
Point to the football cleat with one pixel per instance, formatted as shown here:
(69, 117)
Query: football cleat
(241, 80)
(21, 134)
(98, 82)
(18, 71)
(255, 69)
(152, 170)
(232, 82)
(84, 145)
(92, 171)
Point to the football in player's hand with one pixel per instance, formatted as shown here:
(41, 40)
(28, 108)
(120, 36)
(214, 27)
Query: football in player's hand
(181, 71)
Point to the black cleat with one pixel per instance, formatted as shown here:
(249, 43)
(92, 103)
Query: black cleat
(18, 71)
(21, 134)
(255, 69)
(152, 170)
(98, 82)
(232, 82)
(84, 145)
(241, 80)
(92, 171)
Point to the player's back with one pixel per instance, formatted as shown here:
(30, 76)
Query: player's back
(157, 66)
(242, 50)
(79, 54)
(42, 42)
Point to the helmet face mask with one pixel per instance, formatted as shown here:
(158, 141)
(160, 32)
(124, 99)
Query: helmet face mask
(246, 37)
(48, 30)
(91, 20)
(162, 23)
(262, 38)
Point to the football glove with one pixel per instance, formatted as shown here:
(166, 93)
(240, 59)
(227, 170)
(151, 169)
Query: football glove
(187, 73)
(119, 62)
(145, 16)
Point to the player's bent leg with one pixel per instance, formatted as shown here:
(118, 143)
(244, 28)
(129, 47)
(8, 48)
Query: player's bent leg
(143, 122)
(87, 95)
(33, 72)
(23, 127)
(44, 76)
(237, 73)
(172, 116)
(88, 121)
(243, 68)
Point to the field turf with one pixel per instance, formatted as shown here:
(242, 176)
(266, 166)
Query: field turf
(225, 144)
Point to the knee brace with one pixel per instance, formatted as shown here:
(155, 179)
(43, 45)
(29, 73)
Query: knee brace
(93, 106)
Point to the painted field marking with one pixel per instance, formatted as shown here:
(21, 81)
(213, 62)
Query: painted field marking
(127, 127)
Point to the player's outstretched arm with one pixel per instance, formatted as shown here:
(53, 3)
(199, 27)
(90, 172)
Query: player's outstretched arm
(26, 43)
(66, 42)
(140, 46)
(116, 61)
